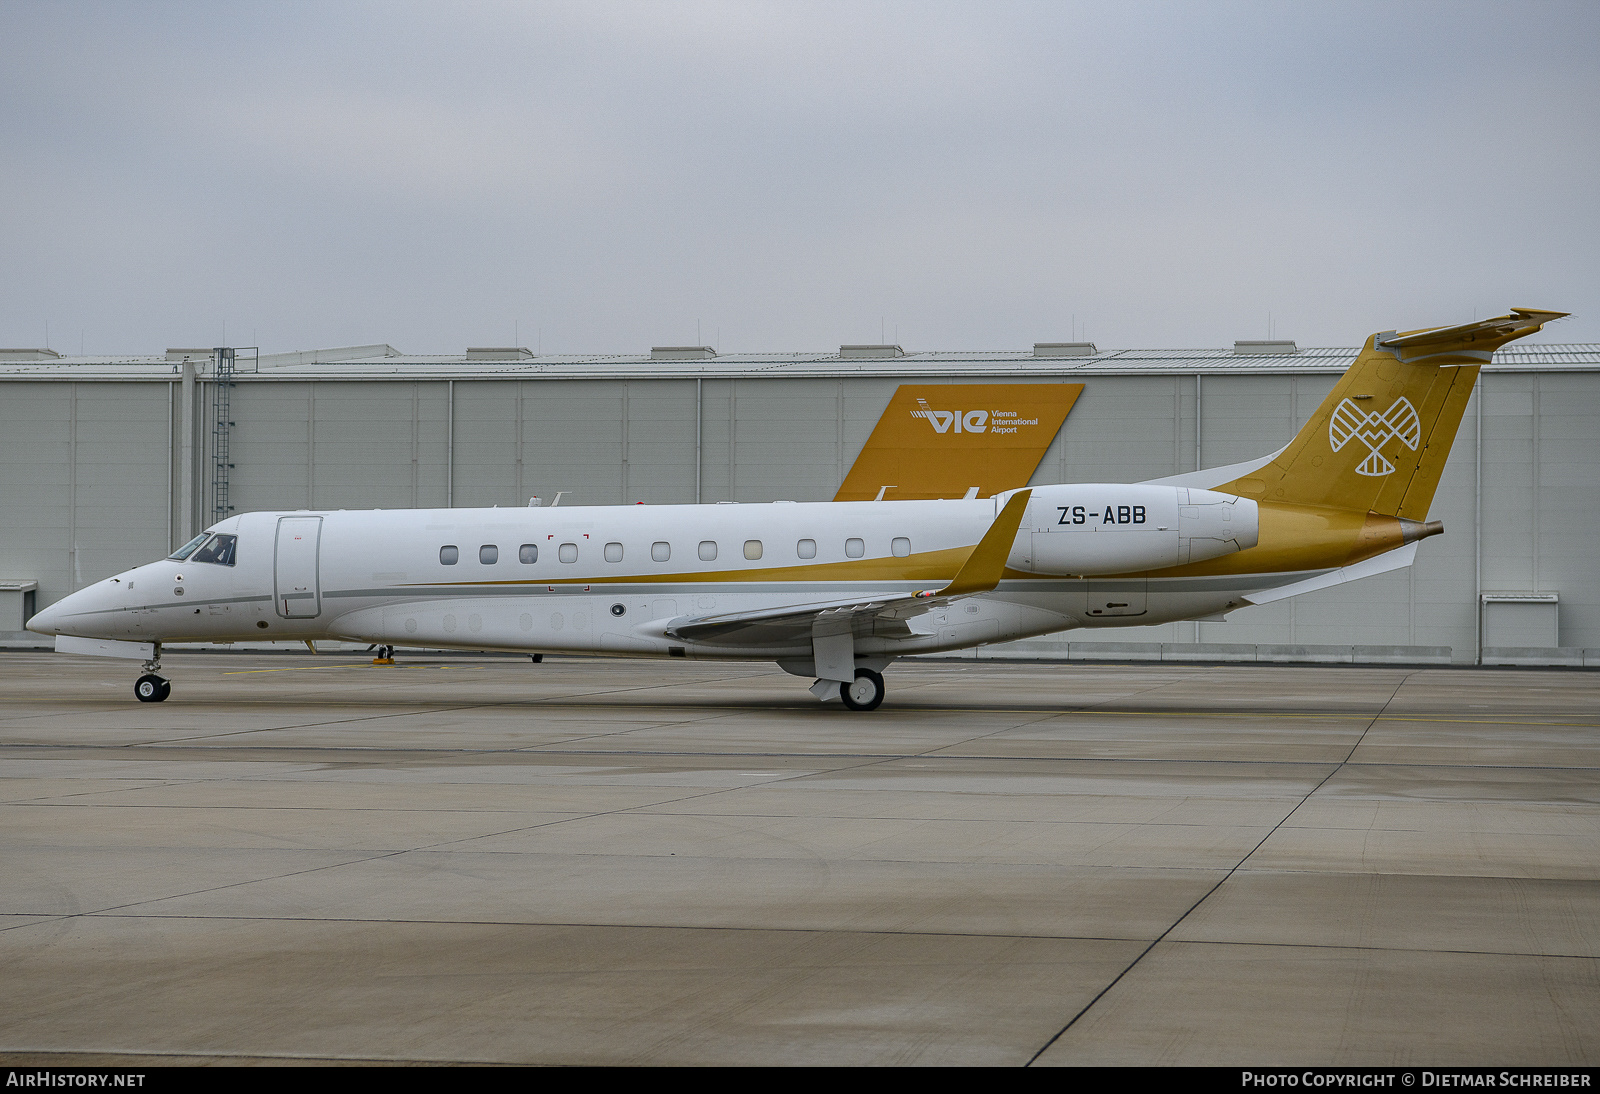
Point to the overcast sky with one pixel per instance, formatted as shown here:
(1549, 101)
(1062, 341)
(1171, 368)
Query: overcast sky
(600, 178)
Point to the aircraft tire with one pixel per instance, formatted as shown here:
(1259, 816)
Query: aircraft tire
(151, 688)
(865, 693)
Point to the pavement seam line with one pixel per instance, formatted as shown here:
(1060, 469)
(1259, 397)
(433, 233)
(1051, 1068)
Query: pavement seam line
(1223, 880)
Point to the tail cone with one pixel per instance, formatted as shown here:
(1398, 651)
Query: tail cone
(1413, 530)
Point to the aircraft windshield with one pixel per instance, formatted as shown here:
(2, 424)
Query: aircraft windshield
(219, 550)
(188, 548)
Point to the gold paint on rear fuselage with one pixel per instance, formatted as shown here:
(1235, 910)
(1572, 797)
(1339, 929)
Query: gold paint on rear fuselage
(1298, 538)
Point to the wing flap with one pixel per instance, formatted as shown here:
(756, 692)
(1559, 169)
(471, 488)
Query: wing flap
(769, 626)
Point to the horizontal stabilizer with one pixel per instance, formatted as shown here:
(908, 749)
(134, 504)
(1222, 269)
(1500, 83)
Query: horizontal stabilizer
(1505, 328)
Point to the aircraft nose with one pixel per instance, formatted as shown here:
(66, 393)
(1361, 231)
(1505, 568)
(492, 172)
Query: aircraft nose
(47, 620)
(68, 615)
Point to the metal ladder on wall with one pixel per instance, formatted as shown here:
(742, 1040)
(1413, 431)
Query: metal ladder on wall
(222, 412)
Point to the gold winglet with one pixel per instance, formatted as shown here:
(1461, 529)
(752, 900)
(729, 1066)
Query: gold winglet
(981, 572)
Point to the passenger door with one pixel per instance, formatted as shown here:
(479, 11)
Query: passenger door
(296, 590)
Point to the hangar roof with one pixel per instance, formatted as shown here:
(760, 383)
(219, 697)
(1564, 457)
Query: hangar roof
(383, 362)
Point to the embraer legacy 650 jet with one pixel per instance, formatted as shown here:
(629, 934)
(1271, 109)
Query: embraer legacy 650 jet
(832, 590)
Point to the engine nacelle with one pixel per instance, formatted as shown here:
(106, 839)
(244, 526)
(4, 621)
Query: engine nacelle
(1109, 528)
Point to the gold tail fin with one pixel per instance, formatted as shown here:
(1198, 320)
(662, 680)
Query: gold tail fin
(1379, 440)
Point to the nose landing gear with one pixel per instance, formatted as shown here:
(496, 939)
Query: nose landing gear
(151, 688)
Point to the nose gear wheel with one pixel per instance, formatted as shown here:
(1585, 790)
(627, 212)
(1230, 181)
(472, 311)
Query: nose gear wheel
(151, 688)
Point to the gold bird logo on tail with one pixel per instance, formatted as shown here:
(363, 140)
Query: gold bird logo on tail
(1375, 430)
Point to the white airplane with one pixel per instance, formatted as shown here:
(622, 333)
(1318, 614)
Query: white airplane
(831, 590)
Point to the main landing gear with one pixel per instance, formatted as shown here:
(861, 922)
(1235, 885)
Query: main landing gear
(385, 654)
(865, 692)
(151, 688)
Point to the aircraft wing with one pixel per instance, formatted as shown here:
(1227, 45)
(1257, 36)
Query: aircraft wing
(883, 613)
(791, 623)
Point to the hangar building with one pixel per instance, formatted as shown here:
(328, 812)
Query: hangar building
(107, 462)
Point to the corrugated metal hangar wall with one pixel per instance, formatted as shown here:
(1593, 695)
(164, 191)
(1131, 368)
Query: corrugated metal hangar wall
(95, 466)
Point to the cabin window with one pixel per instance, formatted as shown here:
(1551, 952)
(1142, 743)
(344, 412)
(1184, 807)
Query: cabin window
(806, 548)
(218, 551)
(613, 552)
(660, 551)
(752, 549)
(568, 552)
(188, 548)
(488, 554)
(449, 556)
(901, 546)
(854, 548)
(528, 554)
(708, 550)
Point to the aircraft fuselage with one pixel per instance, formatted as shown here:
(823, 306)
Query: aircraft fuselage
(613, 579)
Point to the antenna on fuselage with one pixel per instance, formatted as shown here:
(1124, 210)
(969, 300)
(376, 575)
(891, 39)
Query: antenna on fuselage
(559, 495)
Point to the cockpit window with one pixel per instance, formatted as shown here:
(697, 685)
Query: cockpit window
(188, 548)
(219, 551)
